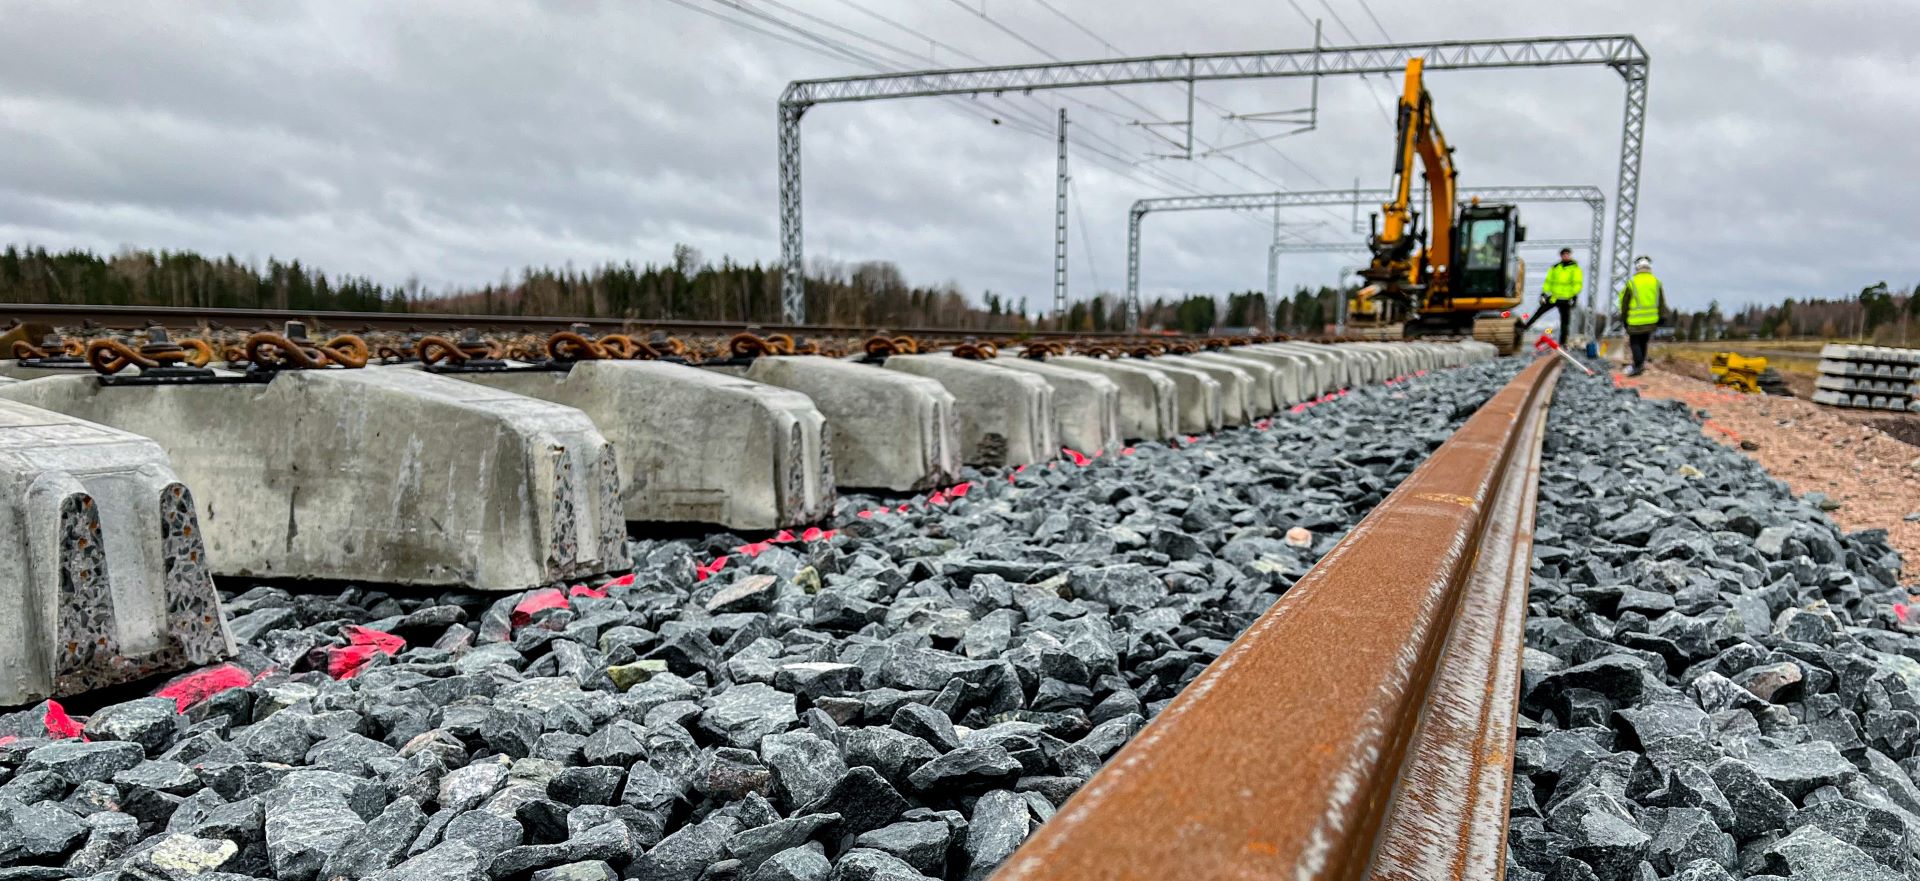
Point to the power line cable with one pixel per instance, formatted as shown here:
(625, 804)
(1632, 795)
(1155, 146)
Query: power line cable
(1378, 102)
(842, 29)
(758, 30)
(1243, 124)
(1376, 20)
(915, 33)
(962, 53)
(1123, 97)
(982, 13)
(1111, 47)
(861, 58)
(913, 56)
(836, 50)
(932, 41)
(1340, 21)
(1080, 27)
(827, 44)
(855, 55)
(1086, 239)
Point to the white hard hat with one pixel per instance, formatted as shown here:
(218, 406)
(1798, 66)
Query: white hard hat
(1643, 264)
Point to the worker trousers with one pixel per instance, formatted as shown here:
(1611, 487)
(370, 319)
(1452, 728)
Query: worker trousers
(1637, 342)
(1564, 307)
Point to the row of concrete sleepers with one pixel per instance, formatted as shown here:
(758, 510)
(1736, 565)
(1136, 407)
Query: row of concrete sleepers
(123, 498)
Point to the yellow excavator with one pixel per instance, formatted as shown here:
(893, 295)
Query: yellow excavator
(1461, 274)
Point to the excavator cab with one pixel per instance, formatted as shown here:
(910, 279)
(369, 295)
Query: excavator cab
(1487, 264)
(1486, 279)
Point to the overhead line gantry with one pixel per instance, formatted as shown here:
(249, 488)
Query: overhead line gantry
(1621, 52)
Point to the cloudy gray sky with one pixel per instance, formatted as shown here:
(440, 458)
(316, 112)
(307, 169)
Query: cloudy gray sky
(457, 141)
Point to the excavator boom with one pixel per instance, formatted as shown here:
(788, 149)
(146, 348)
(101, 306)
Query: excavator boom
(1419, 139)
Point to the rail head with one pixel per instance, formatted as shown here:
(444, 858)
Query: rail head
(1292, 755)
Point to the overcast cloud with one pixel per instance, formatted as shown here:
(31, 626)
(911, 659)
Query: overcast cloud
(456, 142)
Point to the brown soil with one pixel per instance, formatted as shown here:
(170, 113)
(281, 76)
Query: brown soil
(1903, 427)
(1802, 385)
(1688, 369)
(1873, 475)
(1906, 429)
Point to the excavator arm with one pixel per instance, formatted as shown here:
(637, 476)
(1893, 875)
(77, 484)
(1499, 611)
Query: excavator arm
(1399, 258)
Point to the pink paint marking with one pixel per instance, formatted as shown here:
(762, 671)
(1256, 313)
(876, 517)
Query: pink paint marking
(385, 642)
(538, 601)
(202, 684)
(346, 663)
(60, 725)
(702, 572)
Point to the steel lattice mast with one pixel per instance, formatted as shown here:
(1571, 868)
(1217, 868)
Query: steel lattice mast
(1060, 226)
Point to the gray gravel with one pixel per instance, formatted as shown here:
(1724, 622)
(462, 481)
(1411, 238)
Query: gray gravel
(1718, 684)
(906, 699)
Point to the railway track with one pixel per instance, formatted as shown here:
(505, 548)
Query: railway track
(137, 317)
(1264, 769)
(1364, 726)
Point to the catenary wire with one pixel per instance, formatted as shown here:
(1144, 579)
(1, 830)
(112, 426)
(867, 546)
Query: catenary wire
(1371, 89)
(836, 50)
(1248, 128)
(1175, 183)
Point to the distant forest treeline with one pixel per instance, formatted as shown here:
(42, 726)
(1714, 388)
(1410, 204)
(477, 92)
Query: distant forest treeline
(870, 294)
(1877, 314)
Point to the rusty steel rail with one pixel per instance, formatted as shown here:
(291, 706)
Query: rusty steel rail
(137, 317)
(1363, 726)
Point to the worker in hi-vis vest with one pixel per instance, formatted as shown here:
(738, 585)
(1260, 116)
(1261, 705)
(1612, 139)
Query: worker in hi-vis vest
(1560, 292)
(1642, 302)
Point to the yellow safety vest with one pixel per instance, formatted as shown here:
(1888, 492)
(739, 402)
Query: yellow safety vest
(1640, 300)
(1563, 282)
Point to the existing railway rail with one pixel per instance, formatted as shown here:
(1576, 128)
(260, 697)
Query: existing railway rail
(1363, 727)
(136, 317)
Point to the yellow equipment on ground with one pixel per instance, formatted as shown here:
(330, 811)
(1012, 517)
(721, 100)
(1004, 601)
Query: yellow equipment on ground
(1738, 371)
(1463, 274)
